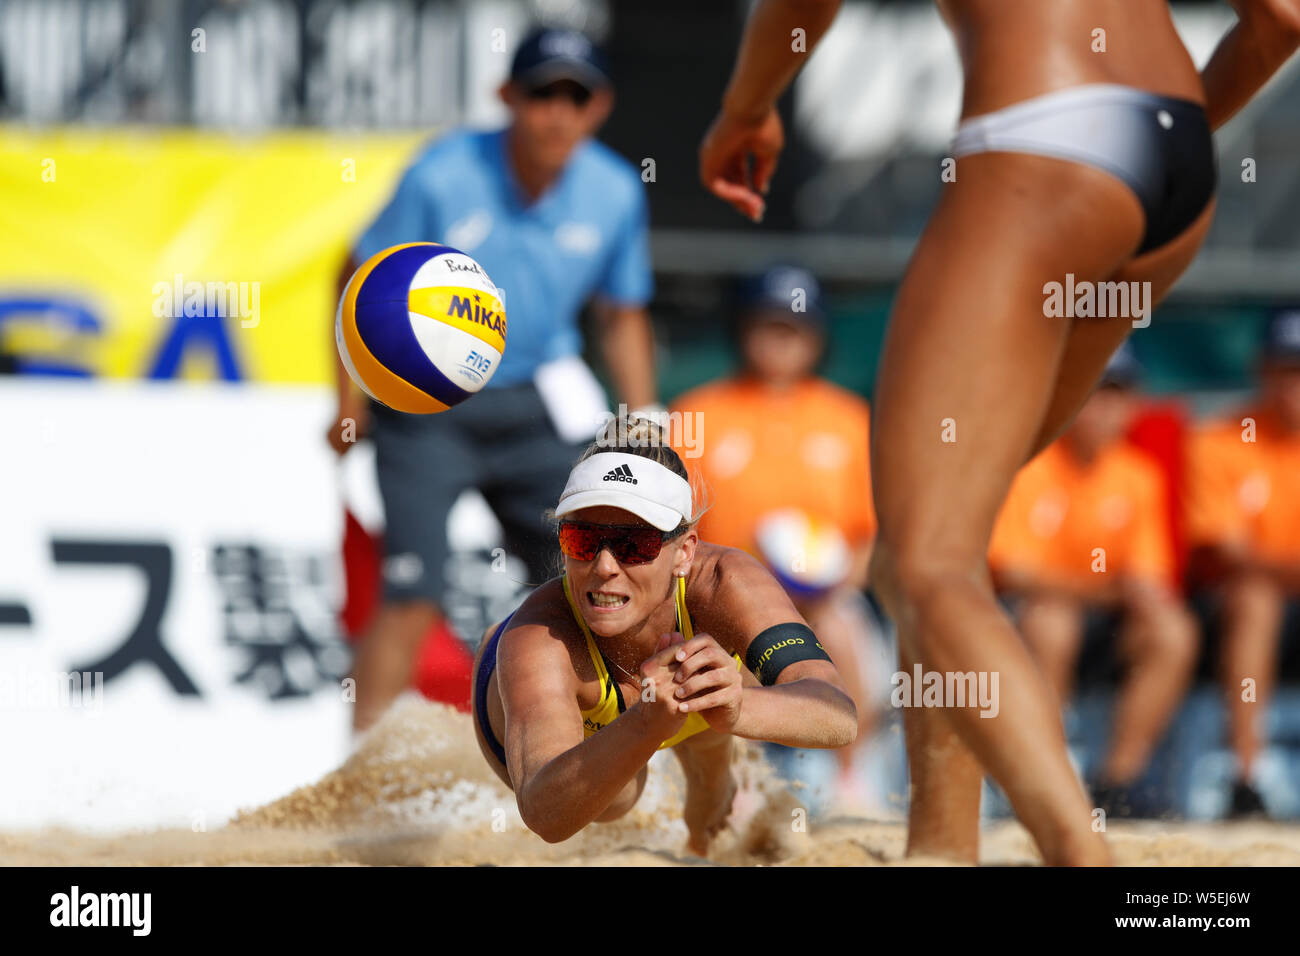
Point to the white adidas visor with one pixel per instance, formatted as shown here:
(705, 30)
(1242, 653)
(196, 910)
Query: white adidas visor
(644, 487)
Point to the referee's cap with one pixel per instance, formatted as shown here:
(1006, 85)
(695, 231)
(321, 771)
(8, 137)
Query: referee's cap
(548, 54)
(784, 289)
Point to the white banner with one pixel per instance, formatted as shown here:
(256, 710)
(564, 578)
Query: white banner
(169, 583)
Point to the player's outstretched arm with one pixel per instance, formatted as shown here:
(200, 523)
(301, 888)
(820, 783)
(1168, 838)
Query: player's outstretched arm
(778, 39)
(562, 781)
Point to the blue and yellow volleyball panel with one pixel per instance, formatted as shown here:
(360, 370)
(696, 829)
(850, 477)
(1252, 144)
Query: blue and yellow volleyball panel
(421, 327)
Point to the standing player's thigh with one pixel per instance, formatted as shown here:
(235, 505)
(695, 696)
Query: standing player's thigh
(970, 357)
(423, 464)
(1093, 341)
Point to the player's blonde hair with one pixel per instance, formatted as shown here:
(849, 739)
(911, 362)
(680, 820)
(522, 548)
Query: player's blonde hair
(639, 435)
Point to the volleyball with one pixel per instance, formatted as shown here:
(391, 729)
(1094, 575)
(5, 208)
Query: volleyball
(808, 556)
(421, 327)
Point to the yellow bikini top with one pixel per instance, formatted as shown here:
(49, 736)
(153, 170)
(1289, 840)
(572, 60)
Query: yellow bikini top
(611, 697)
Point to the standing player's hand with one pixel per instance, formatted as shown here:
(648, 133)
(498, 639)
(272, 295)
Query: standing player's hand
(725, 160)
(709, 683)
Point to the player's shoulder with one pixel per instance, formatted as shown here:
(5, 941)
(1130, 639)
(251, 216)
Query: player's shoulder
(727, 587)
(543, 623)
(723, 571)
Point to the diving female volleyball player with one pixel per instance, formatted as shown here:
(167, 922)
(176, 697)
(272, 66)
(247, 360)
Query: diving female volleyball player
(638, 646)
(1073, 162)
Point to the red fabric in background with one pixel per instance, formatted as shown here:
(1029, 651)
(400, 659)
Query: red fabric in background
(443, 664)
(1160, 430)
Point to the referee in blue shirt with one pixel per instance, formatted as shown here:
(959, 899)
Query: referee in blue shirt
(556, 219)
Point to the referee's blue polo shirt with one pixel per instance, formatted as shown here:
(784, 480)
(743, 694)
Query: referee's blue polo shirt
(586, 235)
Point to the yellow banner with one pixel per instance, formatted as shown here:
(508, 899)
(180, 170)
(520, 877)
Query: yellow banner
(168, 253)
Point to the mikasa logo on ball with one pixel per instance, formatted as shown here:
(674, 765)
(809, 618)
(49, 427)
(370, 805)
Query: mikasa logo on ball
(476, 311)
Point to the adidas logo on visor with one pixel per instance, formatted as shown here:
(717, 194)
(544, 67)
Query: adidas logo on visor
(621, 473)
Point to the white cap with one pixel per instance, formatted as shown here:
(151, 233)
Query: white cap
(636, 484)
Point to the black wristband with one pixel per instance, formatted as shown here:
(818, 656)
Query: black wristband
(778, 647)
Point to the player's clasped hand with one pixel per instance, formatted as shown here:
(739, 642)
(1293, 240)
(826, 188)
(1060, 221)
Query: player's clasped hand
(708, 682)
(657, 672)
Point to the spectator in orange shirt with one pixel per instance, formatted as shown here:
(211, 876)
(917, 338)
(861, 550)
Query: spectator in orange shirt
(1243, 524)
(1084, 547)
(778, 438)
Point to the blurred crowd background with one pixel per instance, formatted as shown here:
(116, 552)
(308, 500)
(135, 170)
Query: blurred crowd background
(147, 144)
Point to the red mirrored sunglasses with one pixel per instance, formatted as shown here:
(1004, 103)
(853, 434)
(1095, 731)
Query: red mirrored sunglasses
(628, 543)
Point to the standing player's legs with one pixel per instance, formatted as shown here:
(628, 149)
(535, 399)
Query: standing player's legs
(952, 826)
(944, 808)
(969, 366)
(423, 464)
